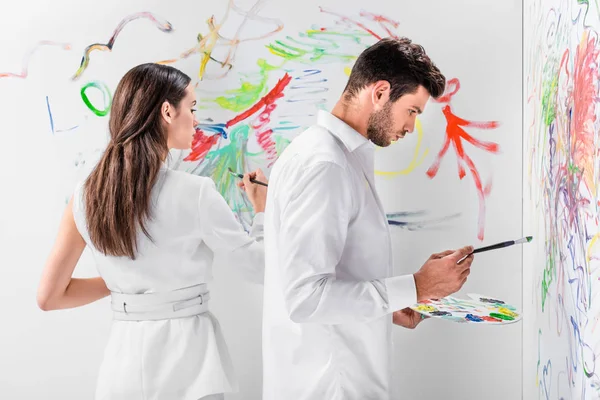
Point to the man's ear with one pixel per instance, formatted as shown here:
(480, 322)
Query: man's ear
(380, 94)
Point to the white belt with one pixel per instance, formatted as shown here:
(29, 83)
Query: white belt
(156, 306)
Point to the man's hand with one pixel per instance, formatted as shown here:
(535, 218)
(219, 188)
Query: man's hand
(407, 318)
(443, 274)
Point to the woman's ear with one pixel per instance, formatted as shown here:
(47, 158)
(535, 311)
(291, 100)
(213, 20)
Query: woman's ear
(166, 112)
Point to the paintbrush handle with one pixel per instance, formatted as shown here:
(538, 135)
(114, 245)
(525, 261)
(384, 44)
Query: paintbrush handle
(251, 179)
(258, 182)
(494, 246)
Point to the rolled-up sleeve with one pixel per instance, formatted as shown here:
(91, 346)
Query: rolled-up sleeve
(315, 212)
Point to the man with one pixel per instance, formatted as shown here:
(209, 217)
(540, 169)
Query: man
(330, 294)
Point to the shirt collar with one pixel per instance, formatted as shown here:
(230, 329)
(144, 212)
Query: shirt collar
(347, 135)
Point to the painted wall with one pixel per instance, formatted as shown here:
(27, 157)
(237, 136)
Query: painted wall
(263, 70)
(561, 268)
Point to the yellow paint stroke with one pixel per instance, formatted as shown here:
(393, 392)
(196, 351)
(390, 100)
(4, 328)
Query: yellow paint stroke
(347, 70)
(591, 246)
(416, 160)
(207, 43)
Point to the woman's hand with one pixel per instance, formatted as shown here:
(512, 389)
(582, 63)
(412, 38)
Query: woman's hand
(257, 194)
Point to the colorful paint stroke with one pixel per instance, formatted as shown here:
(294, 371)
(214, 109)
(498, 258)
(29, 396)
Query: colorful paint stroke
(160, 23)
(477, 309)
(278, 99)
(208, 42)
(563, 199)
(305, 56)
(417, 220)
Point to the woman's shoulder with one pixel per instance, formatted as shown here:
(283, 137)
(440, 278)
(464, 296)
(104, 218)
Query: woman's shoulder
(187, 182)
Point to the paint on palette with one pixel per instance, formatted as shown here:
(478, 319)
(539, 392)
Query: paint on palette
(477, 309)
(561, 142)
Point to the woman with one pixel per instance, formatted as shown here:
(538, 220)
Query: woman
(153, 232)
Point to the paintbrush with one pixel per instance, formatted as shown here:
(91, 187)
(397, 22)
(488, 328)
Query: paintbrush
(500, 245)
(526, 239)
(242, 177)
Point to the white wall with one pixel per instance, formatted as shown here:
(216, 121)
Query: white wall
(561, 278)
(443, 360)
(477, 42)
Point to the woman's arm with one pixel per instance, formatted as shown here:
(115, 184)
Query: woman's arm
(224, 234)
(57, 289)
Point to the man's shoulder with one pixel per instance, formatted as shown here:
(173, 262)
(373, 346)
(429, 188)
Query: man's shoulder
(314, 145)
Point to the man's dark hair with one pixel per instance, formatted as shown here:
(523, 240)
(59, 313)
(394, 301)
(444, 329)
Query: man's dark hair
(403, 64)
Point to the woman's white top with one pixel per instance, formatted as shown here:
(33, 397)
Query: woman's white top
(179, 357)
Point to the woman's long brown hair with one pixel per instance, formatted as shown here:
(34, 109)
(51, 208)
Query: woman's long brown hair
(118, 191)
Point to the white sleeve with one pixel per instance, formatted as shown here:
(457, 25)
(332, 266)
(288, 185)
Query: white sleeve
(224, 234)
(316, 210)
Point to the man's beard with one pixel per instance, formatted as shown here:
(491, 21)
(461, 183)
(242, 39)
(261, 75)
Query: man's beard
(380, 123)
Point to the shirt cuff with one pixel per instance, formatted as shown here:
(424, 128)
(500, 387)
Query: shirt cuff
(401, 291)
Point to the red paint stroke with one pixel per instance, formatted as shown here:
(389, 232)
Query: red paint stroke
(351, 21)
(264, 133)
(24, 69)
(455, 135)
(201, 145)
(269, 98)
(261, 126)
(382, 21)
(584, 97)
(449, 93)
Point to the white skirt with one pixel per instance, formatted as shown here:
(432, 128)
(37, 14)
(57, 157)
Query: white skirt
(182, 358)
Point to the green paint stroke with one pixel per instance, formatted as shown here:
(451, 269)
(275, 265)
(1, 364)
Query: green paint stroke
(105, 94)
(315, 44)
(249, 93)
(549, 90)
(281, 143)
(233, 156)
(548, 273)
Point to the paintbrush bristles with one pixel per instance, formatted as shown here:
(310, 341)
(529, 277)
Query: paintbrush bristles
(526, 239)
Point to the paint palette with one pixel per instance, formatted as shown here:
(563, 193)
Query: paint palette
(477, 309)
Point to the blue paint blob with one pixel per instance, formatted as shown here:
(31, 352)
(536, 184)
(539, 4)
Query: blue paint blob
(473, 318)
